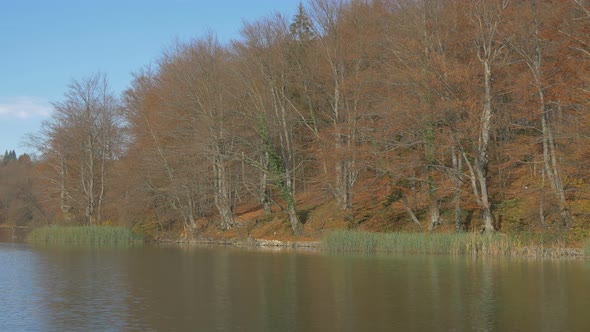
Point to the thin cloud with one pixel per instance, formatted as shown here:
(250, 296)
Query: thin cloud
(24, 107)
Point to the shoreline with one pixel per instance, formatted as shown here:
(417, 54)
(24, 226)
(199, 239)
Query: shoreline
(248, 243)
(367, 243)
(524, 252)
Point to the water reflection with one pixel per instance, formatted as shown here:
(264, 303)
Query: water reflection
(225, 289)
(84, 289)
(13, 234)
(18, 310)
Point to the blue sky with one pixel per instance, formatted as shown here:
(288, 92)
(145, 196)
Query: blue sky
(45, 44)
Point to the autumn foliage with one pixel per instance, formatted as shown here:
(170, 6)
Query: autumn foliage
(465, 115)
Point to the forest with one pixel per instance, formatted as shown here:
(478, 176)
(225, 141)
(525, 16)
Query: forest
(381, 115)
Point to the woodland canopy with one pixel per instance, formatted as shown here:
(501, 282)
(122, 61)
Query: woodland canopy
(394, 113)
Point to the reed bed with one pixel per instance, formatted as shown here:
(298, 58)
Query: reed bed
(84, 236)
(587, 248)
(439, 243)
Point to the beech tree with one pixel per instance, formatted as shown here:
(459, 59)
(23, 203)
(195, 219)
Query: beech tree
(266, 49)
(193, 143)
(486, 17)
(198, 85)
(81, 141)
(339, 87)
(425, 110)
(167, 170)
(526, 41)
(422, 106)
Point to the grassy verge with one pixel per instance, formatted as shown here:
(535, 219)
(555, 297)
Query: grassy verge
(440, 243)
(84, 236)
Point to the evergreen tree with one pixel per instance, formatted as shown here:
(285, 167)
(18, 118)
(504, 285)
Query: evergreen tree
(301, 27)
(9, 156)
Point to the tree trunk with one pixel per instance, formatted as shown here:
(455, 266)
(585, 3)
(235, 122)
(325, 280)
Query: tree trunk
(288, 160)
(487, 16)
(435, 220)
(457, 171)
(222, 193)
(185, 211)
(551, 168)
(291, 211)
(430, 157)
(265, 195)
(63, 195)
(263, 191)
(409, 210)
(549, 149)
(482, 161)
(102, 179)
(345, 179)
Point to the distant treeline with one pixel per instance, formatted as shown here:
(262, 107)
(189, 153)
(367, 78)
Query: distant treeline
(466, 113)
(19, 200)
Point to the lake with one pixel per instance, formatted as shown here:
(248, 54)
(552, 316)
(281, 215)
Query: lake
(230, 289)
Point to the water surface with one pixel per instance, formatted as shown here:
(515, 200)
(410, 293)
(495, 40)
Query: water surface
(228, 289)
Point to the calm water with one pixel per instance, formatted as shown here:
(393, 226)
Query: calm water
(226, 289)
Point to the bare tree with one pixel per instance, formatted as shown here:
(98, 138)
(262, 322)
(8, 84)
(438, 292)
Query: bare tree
(80, 142)
(164, 175)
(531, 51)
(265, 49)
(342, 110)
(196, 78)
(486, 17)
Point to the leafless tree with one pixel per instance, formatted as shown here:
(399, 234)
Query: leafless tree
(80, 142)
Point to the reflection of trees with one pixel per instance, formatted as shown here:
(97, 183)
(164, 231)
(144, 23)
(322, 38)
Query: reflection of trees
(81, 288)
(484, 315)
(234, 289)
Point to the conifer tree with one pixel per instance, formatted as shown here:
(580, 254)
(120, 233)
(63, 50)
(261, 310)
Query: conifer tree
(300, 29)
(9, 156)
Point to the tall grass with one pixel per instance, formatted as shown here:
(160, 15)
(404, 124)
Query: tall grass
(84, 236)
(587, 248)
(436, 243)
(341, 240)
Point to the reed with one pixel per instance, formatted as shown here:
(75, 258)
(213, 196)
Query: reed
(426, 243)
(587, 248)
(84, 236)
(342, 240)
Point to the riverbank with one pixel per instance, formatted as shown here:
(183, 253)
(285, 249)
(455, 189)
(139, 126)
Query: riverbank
(475, 244)
(342, 241)
(246, 243)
